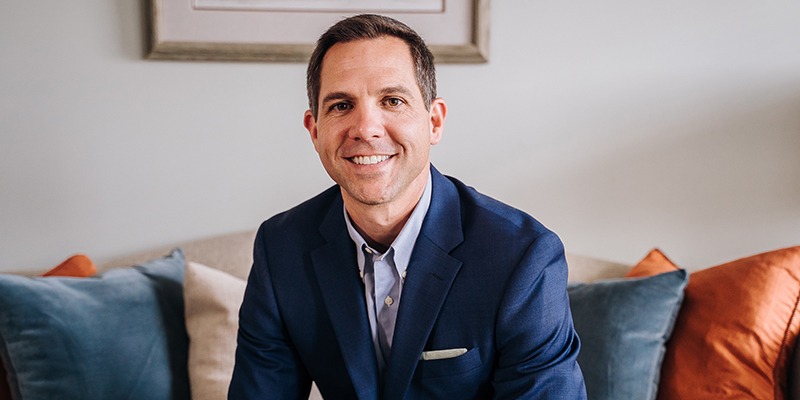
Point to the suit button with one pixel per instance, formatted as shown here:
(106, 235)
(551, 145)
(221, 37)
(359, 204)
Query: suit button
(388, 300)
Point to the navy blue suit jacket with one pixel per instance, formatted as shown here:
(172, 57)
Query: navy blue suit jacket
(482, 276)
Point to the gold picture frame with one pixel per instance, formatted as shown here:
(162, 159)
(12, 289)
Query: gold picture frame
(181, 30)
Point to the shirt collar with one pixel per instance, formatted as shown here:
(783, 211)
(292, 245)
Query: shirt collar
(403, 244)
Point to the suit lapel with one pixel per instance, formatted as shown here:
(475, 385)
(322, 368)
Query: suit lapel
(431, 272)
(337, 272)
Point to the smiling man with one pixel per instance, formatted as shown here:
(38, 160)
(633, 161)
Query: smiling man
(399, 282)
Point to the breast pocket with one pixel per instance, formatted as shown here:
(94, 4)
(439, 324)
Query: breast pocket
(449, 367)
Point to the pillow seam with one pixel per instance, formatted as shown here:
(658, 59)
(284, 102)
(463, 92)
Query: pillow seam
(782, 354)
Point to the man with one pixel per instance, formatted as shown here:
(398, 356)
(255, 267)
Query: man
(398, 282)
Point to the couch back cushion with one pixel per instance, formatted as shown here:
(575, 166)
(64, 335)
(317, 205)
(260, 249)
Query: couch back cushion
(231, 253)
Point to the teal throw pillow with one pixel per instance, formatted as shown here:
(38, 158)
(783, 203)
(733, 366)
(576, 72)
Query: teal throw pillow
(624, 325)
(119, 335)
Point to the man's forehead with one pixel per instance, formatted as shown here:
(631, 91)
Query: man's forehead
(384, 43)
(385, 61)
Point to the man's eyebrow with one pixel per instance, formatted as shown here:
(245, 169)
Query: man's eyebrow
(397, 89)
(333, 96)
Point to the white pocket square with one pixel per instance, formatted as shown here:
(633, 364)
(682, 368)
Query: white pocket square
(442, 354)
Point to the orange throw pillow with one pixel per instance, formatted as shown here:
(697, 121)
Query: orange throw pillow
(78, 266)
(736, 330)
(653, 264)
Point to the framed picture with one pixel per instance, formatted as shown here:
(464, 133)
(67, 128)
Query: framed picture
(457, 31)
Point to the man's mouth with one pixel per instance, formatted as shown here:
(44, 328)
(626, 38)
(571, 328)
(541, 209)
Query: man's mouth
(369, 160)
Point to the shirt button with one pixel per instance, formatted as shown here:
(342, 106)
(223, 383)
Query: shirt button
(388, 300)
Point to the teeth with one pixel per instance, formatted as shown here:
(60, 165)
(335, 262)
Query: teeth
(369, 160)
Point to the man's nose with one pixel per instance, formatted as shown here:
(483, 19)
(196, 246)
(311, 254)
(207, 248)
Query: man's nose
(367, 124)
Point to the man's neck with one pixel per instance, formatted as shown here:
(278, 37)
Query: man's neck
(380, 224)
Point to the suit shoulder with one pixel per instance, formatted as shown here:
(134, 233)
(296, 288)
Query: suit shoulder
(478, 208)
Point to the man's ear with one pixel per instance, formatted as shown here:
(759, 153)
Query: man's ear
(438, 115)
(311, 124)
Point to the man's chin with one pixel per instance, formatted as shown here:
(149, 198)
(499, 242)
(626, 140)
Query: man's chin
(367, 198)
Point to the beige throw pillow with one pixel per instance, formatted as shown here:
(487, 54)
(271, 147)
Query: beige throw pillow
(212, 299)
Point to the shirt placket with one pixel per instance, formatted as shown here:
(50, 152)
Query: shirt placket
(385, 295)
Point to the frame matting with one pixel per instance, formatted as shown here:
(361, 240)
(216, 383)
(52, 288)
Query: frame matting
(457, 31)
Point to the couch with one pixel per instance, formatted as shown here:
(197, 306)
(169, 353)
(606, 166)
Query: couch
(161, 324)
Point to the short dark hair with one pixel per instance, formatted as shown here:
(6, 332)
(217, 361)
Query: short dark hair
(370, 26)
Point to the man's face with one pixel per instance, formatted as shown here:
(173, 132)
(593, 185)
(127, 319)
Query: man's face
(373, 131)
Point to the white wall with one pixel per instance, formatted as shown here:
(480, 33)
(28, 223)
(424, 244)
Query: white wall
(621, 125)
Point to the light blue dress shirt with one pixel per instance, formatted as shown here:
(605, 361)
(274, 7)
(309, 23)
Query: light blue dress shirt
(383, 274)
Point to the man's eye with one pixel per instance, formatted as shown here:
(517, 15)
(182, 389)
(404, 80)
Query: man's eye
(394, 102)
(340, 107)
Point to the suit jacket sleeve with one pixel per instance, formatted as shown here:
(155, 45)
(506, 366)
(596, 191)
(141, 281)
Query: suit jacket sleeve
(537, 343)
(267, 365)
